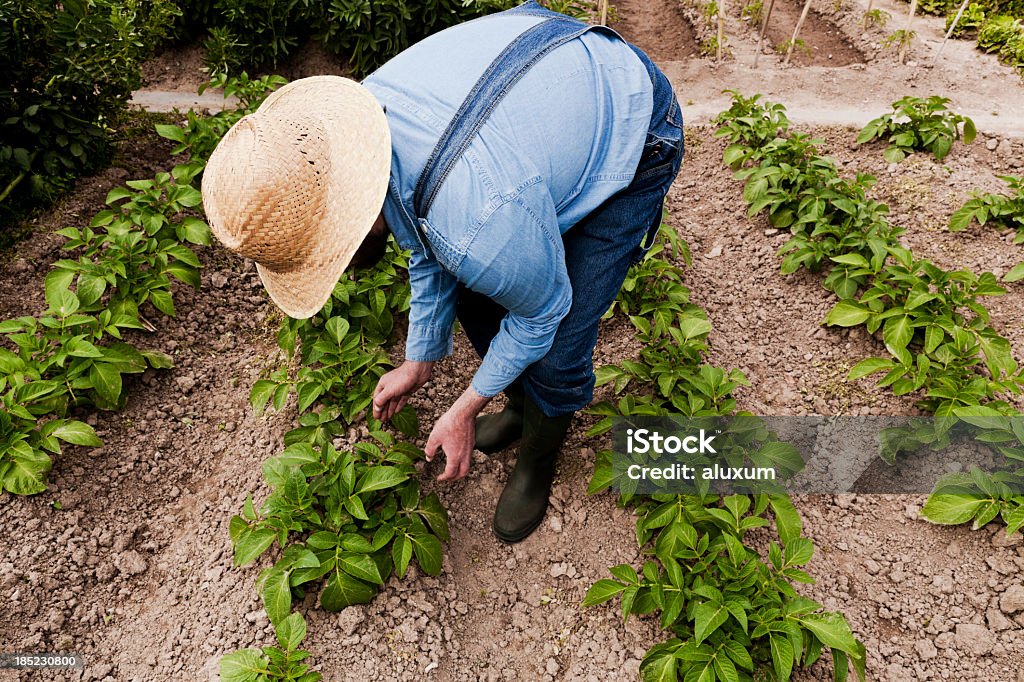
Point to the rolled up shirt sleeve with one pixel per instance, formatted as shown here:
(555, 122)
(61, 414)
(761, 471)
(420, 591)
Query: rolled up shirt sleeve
(431, 310)
(516, 259)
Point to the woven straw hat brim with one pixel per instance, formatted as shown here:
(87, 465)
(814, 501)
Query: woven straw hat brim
(359, 148)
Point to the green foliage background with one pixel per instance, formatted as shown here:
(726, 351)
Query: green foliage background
(69, 69)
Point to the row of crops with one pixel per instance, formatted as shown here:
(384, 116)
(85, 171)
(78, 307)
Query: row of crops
(997, 25)
(342, 521)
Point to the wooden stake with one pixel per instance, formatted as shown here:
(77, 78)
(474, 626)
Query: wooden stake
(952, 27)
(870, 3)
(906, 32)
(796, 31)
(602, 6)
(764, 29)
(721, 29)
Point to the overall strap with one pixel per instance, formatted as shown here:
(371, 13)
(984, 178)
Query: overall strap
(504, 72)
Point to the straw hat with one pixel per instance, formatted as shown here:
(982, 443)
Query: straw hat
(297, 185)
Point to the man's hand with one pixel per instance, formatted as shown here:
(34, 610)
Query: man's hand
(454, 434)
(395, 387)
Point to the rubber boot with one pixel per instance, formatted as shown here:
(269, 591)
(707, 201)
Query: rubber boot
(495, 432)
(524, 500)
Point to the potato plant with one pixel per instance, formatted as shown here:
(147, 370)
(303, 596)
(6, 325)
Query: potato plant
(932, 322)
(59, 363)
(199, 135)
(730, 615)
(919, 124)
(137, 246)
(283, 663)
(74, 353)
(1003, 211)
(733, 615)
(347, 519)
(341, 348)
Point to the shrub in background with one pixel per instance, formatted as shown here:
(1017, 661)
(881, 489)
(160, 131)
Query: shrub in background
(69, 69)
(244, 34)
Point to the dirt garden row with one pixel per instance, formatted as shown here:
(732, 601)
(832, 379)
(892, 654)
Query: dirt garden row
(126, 559)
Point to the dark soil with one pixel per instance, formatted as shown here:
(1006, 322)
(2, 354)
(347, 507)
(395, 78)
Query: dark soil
(180, 67)
(824, 44)
(658, 27)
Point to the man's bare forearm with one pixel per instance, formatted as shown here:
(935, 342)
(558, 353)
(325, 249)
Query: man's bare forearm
(470, 403)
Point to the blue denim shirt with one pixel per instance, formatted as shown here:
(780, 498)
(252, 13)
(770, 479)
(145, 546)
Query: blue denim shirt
(568, 136)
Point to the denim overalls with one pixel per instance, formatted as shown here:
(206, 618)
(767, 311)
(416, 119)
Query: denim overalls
(599, 249)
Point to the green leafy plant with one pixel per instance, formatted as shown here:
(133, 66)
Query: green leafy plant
(578, 9)
(971, 20)
(283, 663)
(935, 6)
(901, 39)
(732, 615)
(709, 47)
(200, 134)
(709, 10)
(729, 614)
(936, 330)
(341, 348)
(917, 124)
(875, 17)
(134, 248)
(1004, 211)
(935, 345)
(59, 363)
(752, 11)
(1012, 51)
(997, 31)
(798, 46)
(74, 354)
(26, 442)
(69, 69)
(348, 518)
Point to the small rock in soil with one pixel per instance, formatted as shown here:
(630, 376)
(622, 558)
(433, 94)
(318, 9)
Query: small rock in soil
(1012, 600)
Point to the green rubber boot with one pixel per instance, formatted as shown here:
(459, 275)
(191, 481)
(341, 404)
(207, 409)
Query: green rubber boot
(495, 432)
(524, 500)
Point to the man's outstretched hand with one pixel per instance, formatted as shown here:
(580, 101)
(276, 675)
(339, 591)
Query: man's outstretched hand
(455, 433)
(395, 387)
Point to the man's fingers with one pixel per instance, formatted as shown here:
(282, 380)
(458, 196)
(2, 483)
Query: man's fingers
(401, 403)
(394, 405)
(431, 447)
(451, 470)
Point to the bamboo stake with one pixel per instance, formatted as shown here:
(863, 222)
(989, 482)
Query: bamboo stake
(870, 3)
(906, 32)
(796, 31)
(603, 7)
(764, 29)
(721, 29)
(952, 27)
